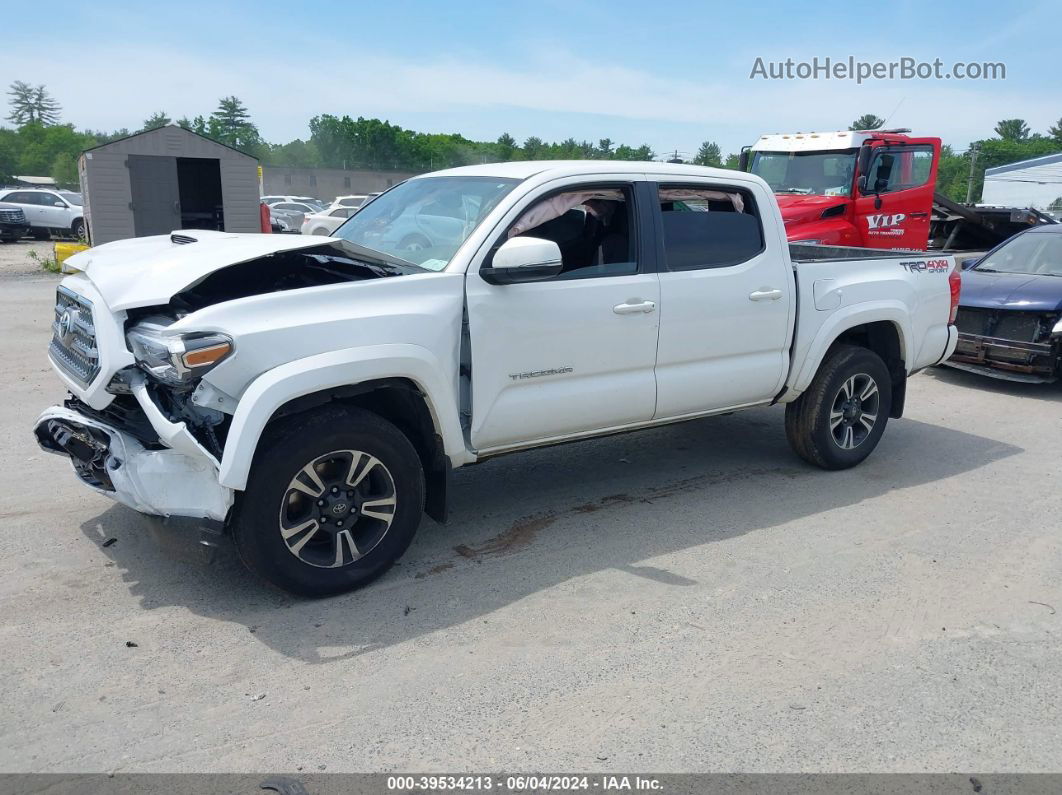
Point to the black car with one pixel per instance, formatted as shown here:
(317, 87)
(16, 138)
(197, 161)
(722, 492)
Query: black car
(13, 224)
(1010, 309)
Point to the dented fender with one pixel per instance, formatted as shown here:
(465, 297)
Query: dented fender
(346, 367)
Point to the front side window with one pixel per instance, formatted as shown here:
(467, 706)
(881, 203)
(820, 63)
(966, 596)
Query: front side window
(425, 220)
(72, 198)
(1032, 253)
(592, 226)
(899, 168)
(819, 173)
(708, 227)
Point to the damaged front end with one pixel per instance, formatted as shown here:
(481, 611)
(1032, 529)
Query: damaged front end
(1009, 344)
(143, 425)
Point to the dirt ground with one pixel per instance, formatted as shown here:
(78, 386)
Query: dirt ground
(16, 261)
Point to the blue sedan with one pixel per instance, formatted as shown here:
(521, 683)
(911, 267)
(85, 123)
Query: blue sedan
(1010, 309)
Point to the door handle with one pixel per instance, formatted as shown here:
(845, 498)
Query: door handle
(634, 307)
(919, 215)
(765, 295)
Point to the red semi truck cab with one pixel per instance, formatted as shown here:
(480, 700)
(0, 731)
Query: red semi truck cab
(865, 188)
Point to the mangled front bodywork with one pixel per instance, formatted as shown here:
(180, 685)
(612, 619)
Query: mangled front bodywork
(136, 326)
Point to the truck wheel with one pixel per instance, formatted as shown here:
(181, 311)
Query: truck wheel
(838, 421)
(333, 500)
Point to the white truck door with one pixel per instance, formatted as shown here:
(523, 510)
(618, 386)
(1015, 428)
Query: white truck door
(574, 353)
(727, 292)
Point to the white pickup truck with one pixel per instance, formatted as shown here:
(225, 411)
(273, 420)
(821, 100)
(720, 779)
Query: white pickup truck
(314, 394)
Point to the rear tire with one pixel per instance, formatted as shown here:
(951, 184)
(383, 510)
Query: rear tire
(333, 500)
(839, 420)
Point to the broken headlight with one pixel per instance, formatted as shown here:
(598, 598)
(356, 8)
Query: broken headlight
(175, 359)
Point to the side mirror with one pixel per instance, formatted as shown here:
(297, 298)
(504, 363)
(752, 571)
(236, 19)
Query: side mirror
(862, 183)
(58, 204)
(523, 259)
(743, 159)
(864, 160)
(966, 264)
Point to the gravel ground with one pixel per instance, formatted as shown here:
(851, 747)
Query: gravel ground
(691, 598)
(16, 262)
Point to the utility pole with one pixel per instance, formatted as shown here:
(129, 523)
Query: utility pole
(975, 148)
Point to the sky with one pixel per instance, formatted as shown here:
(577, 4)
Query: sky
(667, 74)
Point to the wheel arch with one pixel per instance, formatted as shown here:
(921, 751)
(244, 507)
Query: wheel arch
(882, 329)
(402, 386)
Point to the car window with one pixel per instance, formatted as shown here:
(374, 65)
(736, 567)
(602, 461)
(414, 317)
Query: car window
(289, 206)
(73, 198)
(899, 168)
(1033, 253)
(708, 227)
(21, 197)
(342, 212)
(593, 226)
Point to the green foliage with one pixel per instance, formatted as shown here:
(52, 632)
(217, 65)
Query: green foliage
(733, 161)
(38, 146)
(868, 121)
(1012, 130)
(31, 105)
(156, 120)
(64, 171)
(1055, 131)
(709, 155)
(231, 124)
(48, 263)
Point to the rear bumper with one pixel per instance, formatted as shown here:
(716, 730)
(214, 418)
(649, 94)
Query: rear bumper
(162, 482)
(1011, 360)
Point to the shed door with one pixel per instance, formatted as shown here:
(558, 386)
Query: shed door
(156, 194)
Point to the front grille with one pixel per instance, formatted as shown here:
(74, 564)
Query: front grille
(73, 344)
(1004, 324)
(123, 414)
(12, 216)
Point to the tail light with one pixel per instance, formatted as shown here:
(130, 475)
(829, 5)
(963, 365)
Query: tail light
(955, 285)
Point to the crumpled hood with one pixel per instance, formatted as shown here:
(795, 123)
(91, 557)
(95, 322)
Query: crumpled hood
(1022, 291)
(798, 209)
(146, 271)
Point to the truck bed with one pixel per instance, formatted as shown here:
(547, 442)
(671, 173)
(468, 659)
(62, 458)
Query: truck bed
(812, 252)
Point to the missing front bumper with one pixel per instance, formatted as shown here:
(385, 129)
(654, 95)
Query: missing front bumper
(1011, 360)
(163, 482)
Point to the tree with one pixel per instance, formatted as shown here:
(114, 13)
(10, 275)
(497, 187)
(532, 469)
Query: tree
(1012, 130)
(868, 121)
(533, 148)
(64, 170)
(733, 161)
(1055, 131)
(709, 155)
(156, 120)
(231, 124)
(604, 149)
(506, 146)
(32, 105)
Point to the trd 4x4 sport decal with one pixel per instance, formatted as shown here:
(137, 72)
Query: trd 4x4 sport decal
(926, 265)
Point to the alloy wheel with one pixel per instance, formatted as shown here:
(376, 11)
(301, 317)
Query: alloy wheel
(854, 412)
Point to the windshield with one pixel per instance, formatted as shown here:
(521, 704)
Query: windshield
(425, 221)
(819, 173)
(70, 196)
(1036, 254)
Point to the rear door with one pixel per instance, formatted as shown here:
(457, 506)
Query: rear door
(727, 297)
(573, 354)
(156, 194)
(31, 207)
(902, 177)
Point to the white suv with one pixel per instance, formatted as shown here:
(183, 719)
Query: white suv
(48, 211)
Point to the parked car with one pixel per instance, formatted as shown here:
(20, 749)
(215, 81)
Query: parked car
(309, 201)
(301, 208)
(327, 222)
(48, 211)
(1010, 309)
(13, 224)
(313, 396)
(288, 220)
(357, 200)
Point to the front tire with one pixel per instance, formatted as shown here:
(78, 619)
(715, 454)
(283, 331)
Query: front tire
(77, 229)
(839, 420)
(333, 500)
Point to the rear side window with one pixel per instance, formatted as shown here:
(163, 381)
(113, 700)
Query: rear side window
(708, 227)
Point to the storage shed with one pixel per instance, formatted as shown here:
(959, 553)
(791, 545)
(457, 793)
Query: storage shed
(156, 181)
